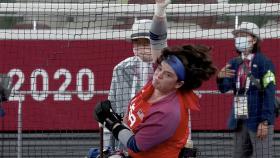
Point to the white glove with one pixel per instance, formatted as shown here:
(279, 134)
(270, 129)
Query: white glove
(160, 7)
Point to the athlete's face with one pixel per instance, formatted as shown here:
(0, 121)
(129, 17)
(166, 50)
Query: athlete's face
(165, 79)
(142, 49)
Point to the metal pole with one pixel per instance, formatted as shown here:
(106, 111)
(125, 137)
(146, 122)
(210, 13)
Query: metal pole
(19, 130)
(236, 22)
(101, 140)
(34, 25)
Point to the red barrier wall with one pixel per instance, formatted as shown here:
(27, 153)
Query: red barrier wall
(71, 65)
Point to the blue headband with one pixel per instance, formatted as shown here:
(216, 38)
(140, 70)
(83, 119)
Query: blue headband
(177, 66)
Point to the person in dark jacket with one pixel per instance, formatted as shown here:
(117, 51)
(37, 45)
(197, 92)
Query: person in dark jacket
(5, 91)
(252, 116)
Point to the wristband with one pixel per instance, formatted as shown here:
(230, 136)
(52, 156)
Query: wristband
(117, 130)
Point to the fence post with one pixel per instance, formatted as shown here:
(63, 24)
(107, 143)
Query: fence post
(19, 129)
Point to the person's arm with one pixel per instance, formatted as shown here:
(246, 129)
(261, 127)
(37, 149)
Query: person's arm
(225, 78)
(105, 115)
(113, 88)
(267, 115)
(158, 31)
(5, 87)
(224, 84)
(269, 86)
(150, 134)
(119, 89)
(107, 136)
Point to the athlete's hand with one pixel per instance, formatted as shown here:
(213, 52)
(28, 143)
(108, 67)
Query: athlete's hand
(102, 110)
(104, 113)
(161, 7)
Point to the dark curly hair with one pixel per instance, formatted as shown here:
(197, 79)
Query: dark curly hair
(197, 62)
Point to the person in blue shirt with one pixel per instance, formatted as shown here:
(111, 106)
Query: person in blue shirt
(252, 116)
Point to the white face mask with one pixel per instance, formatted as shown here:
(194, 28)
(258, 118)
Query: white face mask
(242, 44)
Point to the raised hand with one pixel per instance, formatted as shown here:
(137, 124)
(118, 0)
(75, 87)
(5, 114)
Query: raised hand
(226, 72)
(160, 7)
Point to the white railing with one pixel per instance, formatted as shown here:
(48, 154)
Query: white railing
(133, 9)
(89, 34)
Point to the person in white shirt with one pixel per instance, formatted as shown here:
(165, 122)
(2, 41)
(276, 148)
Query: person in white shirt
(131, 74)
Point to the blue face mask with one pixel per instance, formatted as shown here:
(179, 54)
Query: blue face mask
(242, 44)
